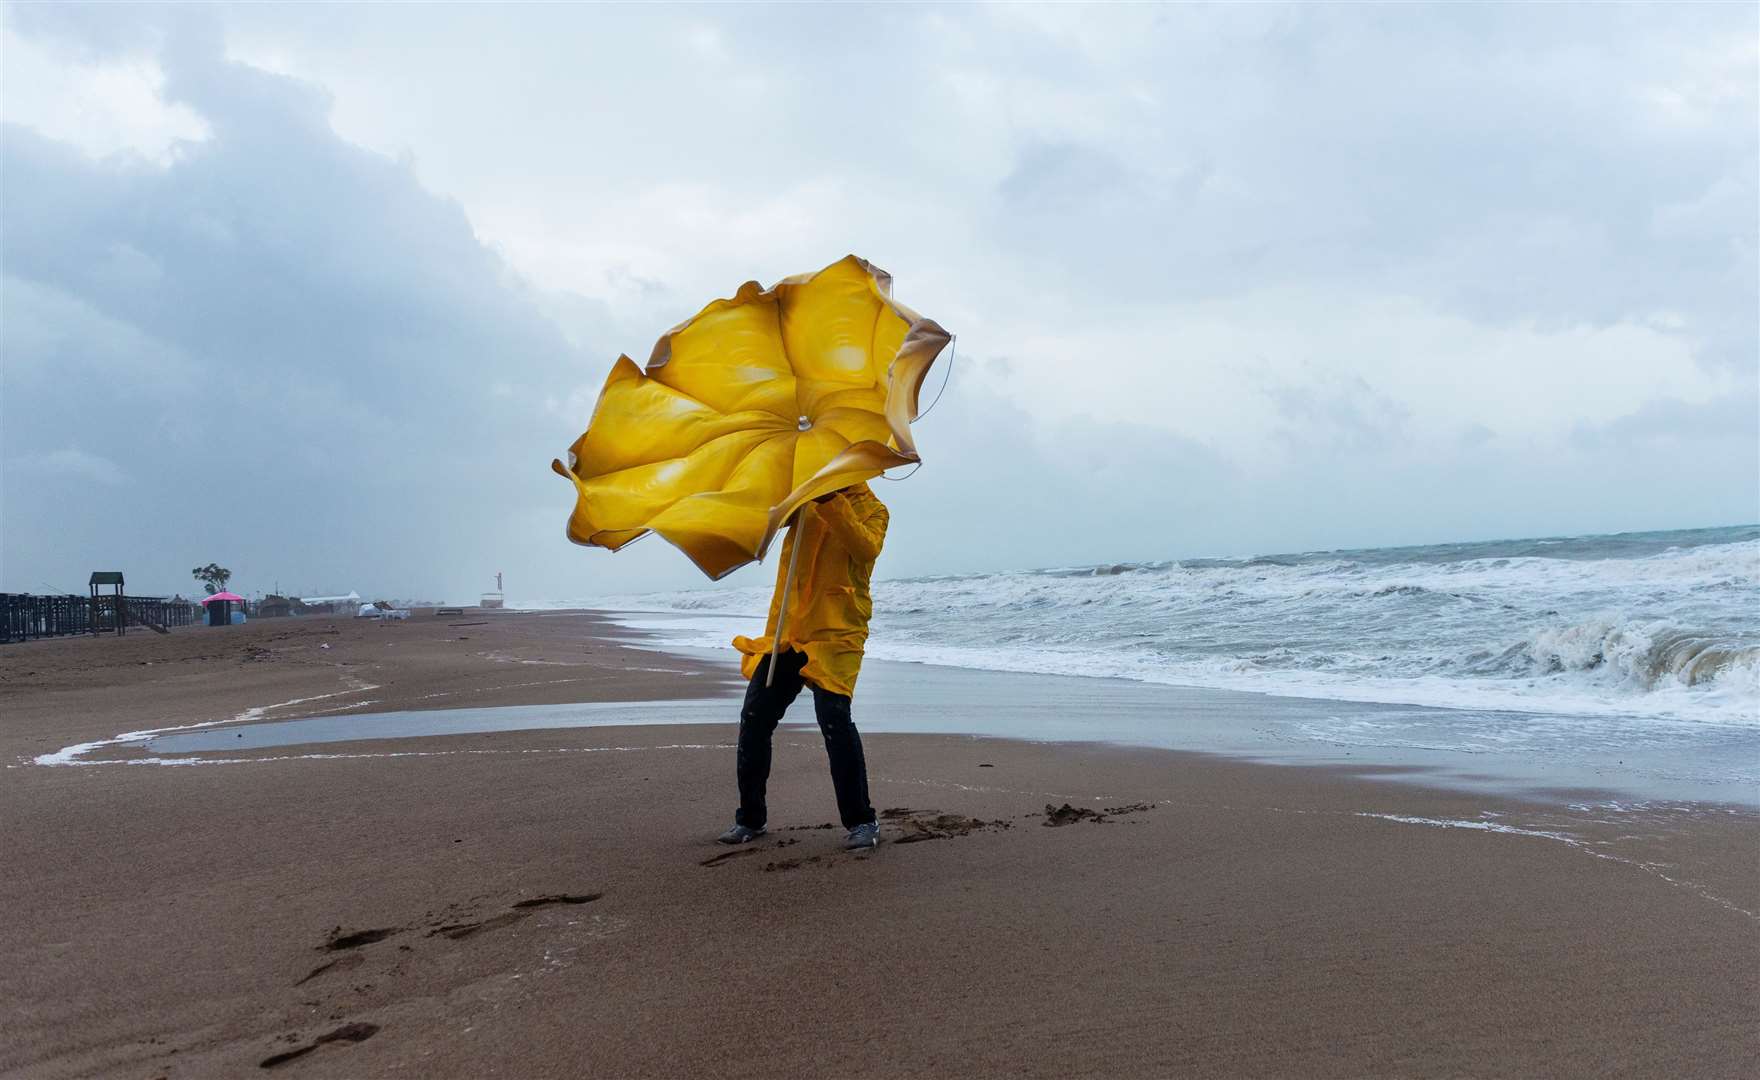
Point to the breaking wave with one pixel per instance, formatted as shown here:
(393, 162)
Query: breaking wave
(1662, 625)
(1646, 655)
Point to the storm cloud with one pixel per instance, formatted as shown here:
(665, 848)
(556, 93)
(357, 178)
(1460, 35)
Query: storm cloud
(317, 293)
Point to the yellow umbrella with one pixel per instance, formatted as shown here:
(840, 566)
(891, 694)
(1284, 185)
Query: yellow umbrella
(748, 410)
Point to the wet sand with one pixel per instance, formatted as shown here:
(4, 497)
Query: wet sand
(546, 903)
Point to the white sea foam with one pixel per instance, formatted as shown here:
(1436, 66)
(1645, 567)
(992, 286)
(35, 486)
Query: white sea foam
(1474, 826)
(180, 762)
(1664, 871)
(1661, 626)
(75, 754)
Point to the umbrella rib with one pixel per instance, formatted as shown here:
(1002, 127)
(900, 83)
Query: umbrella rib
(692, 398)
(880, 310)
(782, 340)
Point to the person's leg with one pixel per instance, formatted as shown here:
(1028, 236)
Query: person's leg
(843, 747)
(758, 717)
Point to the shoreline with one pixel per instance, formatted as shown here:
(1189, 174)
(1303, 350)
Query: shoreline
(1224, 918)
(1502, 754)
(1482, 696)
(1514, 751)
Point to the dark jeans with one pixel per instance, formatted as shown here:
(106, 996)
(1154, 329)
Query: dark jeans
(758, 718)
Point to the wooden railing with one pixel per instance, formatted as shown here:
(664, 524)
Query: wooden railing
(24, 616)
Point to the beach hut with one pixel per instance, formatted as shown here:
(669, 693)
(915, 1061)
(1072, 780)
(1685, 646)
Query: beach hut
(219, 608)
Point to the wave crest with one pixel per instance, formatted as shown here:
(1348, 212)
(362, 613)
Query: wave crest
(1607, 626)
(1643, 655)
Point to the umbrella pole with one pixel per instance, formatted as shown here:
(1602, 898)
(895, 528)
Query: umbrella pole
(794, 553)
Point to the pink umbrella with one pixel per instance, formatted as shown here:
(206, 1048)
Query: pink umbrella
(223, 596)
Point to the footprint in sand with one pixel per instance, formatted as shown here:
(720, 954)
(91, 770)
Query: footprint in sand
(354, 939)
(340, 940)
(916, 826)
(521, 909)
(354, 1033)
(717, 860)
(558, 898)
(341, 963)
(347, 941)
(352, 944)
(1066, 814)
(780, 864)
(460, 931)
(789, 864)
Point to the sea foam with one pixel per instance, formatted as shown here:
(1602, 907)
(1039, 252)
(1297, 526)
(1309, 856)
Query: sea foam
(1657, 625)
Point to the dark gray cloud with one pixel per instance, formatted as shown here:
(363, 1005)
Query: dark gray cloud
(297, 360)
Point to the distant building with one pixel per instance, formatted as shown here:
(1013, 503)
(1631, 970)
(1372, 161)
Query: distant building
(331, 605)
(274, 606)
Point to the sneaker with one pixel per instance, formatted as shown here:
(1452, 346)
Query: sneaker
(739, 834)
(863, 836)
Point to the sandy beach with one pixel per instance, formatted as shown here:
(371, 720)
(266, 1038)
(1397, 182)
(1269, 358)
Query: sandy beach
(547, 903)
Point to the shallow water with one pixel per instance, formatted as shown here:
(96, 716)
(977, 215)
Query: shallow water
(352, 727)
(1503, 752)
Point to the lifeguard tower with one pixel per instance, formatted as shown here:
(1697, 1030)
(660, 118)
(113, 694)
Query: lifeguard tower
(108, 612)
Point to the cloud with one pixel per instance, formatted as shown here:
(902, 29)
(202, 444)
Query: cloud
(278, 327)
(1339, 412)
(96, 95)
(1663, 424)
(1059, 178)
(1225, 279)
(70, 464)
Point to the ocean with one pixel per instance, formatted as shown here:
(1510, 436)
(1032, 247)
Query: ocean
(1658, 625)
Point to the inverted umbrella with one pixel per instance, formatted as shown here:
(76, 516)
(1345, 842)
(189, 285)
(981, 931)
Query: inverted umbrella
(748, 410)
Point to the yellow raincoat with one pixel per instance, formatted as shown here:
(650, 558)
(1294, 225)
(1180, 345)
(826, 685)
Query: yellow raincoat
(829, 609)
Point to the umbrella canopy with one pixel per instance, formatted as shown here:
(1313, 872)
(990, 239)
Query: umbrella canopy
(223, 596)
(751, 408)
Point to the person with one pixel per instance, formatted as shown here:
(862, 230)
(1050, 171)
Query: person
(840, 535)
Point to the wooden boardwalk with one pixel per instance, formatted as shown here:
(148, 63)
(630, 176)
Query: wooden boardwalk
(24, 616)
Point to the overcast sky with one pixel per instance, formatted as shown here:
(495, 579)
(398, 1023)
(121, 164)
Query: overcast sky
(317, 292)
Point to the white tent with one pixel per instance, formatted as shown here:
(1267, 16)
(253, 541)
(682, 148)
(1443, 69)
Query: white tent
(314, 601)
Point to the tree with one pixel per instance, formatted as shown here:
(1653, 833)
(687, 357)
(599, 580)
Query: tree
(212, 576)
